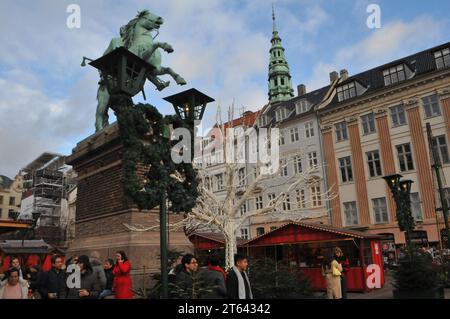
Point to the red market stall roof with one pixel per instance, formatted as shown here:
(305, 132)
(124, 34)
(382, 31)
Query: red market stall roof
(205, 241)
(301, 232)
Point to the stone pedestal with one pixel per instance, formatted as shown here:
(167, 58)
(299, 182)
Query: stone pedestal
(102, 209)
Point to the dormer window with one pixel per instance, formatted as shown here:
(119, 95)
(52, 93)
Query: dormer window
(280, 114)
(301, 106)
(395, 74)
(442, 58)
(262, 120)
(346, 91)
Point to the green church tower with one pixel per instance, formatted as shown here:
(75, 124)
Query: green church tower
(280, 85)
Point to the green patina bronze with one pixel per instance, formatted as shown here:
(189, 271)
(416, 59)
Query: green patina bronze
(136, 36)
(280, 85)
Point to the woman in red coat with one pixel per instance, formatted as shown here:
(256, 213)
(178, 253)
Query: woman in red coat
(122, 279)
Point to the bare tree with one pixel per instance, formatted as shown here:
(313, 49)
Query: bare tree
(221, 213)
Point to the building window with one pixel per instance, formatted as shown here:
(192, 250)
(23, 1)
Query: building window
(405, 158)
(416, 208)
(1, 200)
(282, 141)
(263, 120)
(380, 210)
(351, 214)
(346, 91)
(283, 168)
(207, 183)
(271, 198)
(316, 197)
(301, 201)
(373, 160)
(294, 135)
(341, 131)
(259, 202)
(301, 106)
(309, 129)
(368, 123)
(12, 201)
(1, 213)
(244, 208)
(312, 158)
(297, 164)
(440, 148)
(260, 231)
(442, 58)
(431, 105)
(398, 116)
(287, 203)
(345, 164)
(244, 233)
(394, 75)
(255, 172)
(241, 176)
(280, 114)
(219, 182)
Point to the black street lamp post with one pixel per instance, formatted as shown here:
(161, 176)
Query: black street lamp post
(401, 190)
(124, 75)
(190, 106)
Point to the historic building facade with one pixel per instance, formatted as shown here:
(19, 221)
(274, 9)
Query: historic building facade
(376, 126)
(10, 196)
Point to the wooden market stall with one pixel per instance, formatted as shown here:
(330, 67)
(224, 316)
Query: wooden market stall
(304, 245)
(206, 244)
(30, 253)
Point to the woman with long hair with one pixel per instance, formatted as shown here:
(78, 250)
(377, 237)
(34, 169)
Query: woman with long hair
(122, 278)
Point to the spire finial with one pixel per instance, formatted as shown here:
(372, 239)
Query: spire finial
(273, 18)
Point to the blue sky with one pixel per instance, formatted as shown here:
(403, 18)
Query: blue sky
(47, 101)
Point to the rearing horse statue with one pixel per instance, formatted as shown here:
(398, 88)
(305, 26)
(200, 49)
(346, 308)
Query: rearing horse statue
(136, 37)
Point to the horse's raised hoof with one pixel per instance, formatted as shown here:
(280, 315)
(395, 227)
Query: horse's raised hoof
(168, 48)
(180, 80)
(161, 86)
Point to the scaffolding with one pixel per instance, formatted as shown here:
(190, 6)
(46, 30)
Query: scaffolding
(45, 180)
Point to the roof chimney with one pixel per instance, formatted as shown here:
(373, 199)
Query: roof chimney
(344, 74)
(301, 89)
(333, 76)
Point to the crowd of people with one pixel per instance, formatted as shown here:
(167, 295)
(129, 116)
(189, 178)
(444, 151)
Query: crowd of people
(211, 281)
(97, 279)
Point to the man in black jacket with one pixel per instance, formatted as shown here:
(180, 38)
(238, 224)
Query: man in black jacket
(238, 284)
(108, 268)
(53, 284)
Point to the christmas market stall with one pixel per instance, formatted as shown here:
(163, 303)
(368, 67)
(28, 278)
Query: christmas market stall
(30, 253)
(305, 245)
(206, 244)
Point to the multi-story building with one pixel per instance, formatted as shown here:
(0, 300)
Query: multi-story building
(47, 182)
(10, 196)
(214, 160)
(375, 126)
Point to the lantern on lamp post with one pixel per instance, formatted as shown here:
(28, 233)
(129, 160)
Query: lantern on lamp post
(189, 106)
(401, 190)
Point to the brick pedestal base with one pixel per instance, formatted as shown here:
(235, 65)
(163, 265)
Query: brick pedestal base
(102, 209)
